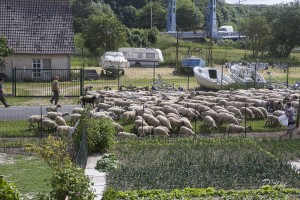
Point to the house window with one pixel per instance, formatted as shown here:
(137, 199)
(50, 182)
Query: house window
(36, 68)
(150, 55)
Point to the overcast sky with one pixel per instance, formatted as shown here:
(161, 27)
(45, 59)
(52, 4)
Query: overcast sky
(268, 2)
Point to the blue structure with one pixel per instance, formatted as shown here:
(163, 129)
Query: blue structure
(211, 27)
(171, 18)
(192, 62)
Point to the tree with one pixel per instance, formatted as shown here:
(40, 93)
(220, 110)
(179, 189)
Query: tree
(105, 32)
(4, 52)
(285, 30)
(158, 16)
(258, 33)
(142, 37)
(186, 15)
(128, 16)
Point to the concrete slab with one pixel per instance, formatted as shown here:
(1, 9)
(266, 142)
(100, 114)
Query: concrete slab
(97, 179)
(93, 172)
(98, 189)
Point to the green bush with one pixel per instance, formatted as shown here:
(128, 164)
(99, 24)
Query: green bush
(8, 191)
(107, 163)
(71, 181)
(99, 132)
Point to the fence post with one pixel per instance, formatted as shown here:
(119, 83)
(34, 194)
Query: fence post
(287, 75)
(188, 83)
(222, 76)
(81, 82)
(153, 72)
(255, 73)
(245, 121)
(15, 81)
(118, 71)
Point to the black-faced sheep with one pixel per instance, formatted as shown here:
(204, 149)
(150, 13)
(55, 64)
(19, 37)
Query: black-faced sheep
(87, 100)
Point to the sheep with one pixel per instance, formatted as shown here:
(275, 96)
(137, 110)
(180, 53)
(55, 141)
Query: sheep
(278, 113)
(186, 112)
(51, 125)
(247, 112)
(210, 122)
(256, 112)
(78, 110)
(87, 100)
(187, 123)
(104, 106)
(64, 130)
(143, 130)
(101, 115)
(153, 121)
(117, 110)
(169, 109)
(164, 121)
(235, 110)
(272, 119)
(212, 114)
(263, 110)
(158, 112)
(125, 135)
(225, 117)
(138, 118)
(233, 128)
(161, 131)
(173, 115)
(117, 126)
(52, 108)
(129, 116)
(35, 119)
(175, 123)
(186, 131)
(60, 121)
(139, 123)
(75, 117)
(53, 115)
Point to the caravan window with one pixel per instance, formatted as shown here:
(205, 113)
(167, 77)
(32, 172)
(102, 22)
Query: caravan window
(140, 55)
(150, 55)
(125, 54)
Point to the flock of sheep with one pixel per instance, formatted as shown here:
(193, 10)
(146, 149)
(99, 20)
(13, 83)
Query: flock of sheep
(163, 113)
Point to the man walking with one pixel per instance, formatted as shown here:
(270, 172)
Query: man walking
(2, 93)
(55, 90)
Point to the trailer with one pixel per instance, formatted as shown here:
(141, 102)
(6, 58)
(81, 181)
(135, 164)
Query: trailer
(142, 56)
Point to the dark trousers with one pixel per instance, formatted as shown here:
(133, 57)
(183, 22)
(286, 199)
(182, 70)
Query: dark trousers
(55, 97)
(3, 100)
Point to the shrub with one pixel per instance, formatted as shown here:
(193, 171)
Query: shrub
(8, 191)
(107, 163)
(71, 181)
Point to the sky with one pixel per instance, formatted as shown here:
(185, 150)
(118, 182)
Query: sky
(267, 2)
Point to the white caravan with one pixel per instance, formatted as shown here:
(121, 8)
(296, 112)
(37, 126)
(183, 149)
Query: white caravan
(225, 29)
(142, 56)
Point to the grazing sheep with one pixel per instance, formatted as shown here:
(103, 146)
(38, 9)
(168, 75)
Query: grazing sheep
(53, 115)
(78, 110)
(186, 131)
(129, 116)
(125, 135)
(75, 117)
(164, 121)
(235, 110)
(153, 121)
(52, 108)
(212, 114)
(175, 123)
(233, 128)
(64, 130)
(51, 125)
(117, 110)
(272, 119)
(247, 112)
(35, 119)
(104, 106)
(210, 122)
(87, 100)
(139, 123)
(263, 110)
(186, 123)
(60, 121)
(173, 115)
(227, 118)
(186, 112)
(101, 115)
(161, 131)
(138, 118)
(117, 126)
(143, 130)
(256, 112)
(158, 112)
(169, 109)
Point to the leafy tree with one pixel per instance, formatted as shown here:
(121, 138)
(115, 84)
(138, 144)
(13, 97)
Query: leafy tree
(128, 16)
(4, 52)
(158, 16)
(186, 15)
(285, 29)
(142, 37)
(105, 32)
(81, 50)
(258, 32)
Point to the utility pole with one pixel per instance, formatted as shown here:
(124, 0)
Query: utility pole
(151, 16)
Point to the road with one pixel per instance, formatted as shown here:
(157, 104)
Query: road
(23, 112)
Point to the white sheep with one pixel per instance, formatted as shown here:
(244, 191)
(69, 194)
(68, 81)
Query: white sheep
(186, 131)
(60, 121)
(118, 127)
(186, 112)
(153, 121)
(101, 115)
(129, 116)
(104, 106)
(78, 110)
(233, 128)
(52, 108)
(256, 112)
(212, 114)
(64, 130)
(117, 110)
(272, 119)
(139, 123)
(53, 115)
(143, 130)
(235, 110)
(169, 109)
(164, 121)
(186, 123)
(210, 122)
(175, 123)
(35, 119)
(125, 135)
(161, 131)
(173, 115)
(247, 112)
(51, 125)
(75, 117)
(263, 110)
(227, 118)
(158, 112)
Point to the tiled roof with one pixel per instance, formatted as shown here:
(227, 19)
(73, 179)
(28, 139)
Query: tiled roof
(37, 26)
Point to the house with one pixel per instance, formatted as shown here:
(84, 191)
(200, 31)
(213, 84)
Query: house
(40, 32)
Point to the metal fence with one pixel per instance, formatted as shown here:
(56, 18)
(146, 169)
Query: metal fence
(82, 153)
(37, 83)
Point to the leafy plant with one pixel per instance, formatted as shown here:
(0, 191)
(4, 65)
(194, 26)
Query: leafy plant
(8, 191)
(107, 163)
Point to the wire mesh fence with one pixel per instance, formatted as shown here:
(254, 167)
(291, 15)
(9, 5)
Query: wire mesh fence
(82, 152)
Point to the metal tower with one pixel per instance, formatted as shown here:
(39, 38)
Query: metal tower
(212, 28)
(171, 18)
(197, 14)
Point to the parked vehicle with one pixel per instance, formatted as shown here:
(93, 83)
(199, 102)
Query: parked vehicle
(225, 29)
(114, 62)
(142, 56)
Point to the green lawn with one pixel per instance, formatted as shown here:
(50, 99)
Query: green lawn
(28, 173)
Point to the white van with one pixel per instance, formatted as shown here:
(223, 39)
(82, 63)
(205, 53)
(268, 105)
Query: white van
(142, 56)
(225, 29)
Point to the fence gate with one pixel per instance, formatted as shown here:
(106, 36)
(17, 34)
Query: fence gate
(37, 82)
